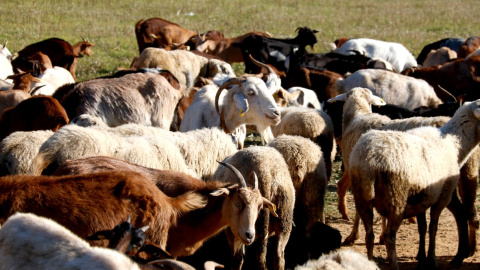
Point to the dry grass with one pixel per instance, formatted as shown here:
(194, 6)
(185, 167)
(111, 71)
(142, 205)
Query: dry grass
(110, 24)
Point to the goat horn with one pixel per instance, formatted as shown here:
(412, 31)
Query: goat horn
(238, 81)
(145, 228)
(255, 186)
(241, 180)
(448, 93)
(5, 45)
(129, 219)
(260, 64)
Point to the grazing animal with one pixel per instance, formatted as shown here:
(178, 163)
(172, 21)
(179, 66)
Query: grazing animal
(177, 224)
(160, 33)
(395, 53)
(439, 57)
(142, 98)
(275, 183)
(451, 43)
(402, 174)
(186, 66)
(35, 113)
(30, 241)
(227, 48)
(60, 52)
(283, 54)
(470, 45)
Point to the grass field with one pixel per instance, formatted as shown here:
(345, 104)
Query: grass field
(110, 24)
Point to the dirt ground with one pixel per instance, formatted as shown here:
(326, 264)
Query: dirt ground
(407, 241)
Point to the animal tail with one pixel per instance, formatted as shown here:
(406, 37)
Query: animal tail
(39, 163)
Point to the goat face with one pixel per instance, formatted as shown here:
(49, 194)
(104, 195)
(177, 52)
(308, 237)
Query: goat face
(217, 66)
(258, 100)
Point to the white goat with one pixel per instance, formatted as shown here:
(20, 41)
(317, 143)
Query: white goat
(32, 242)
(247, 101)
(51, 79)
(395, 53)
(403, 174)
(394, 88)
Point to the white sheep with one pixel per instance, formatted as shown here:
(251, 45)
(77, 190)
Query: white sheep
(307, 169)
(309, 123)
(72, 141)
(18, 150)
(403, 174)
(28, 241)
(341, 259)
(396, 89)
(51, 79)
(247, 102)
(393, 52)
(186, 66)
(275, 184)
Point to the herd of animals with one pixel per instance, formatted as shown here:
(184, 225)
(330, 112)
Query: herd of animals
(148, 168)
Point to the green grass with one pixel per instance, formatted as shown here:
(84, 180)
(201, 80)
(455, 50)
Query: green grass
(110, 24)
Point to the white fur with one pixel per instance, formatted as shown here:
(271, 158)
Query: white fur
(28, 241)
(52, 78)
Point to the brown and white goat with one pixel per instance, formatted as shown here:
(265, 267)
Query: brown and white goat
(89, 203)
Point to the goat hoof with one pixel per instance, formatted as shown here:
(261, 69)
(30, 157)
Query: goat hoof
(349, 241)
(457, 261)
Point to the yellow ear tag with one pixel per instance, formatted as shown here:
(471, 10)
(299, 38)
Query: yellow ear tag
(242, 114)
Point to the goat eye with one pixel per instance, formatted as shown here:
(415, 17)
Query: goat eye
(236, 203)
(251, 93)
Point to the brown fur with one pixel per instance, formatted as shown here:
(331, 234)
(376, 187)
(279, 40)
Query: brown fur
(22, 81)
(166, 33)
(459, 77)
(470, 45)
(228, 48)
(35, 113)
(60, 52)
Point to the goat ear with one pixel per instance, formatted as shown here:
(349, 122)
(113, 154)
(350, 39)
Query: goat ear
(341, 97)
(101, 235)
(271, 206)
(241, 103)
(220, 192)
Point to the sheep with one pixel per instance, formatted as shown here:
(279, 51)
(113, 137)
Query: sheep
(344, 259)
(142, 145)
(30, 241)
(394, 53)
(307, 170)
(73, 141)
(394, 88)
(184, 65)
(276, 185)
(18, 150)
(51, 79)
(402, 174)
(177, 224)
(143, 98)
(247, 101)
(358, 119)
(35, 113)
(313, 124)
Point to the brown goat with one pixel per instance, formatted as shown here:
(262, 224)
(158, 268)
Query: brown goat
(160, 33)
(22, 81)
(461, 76)
(227, 48)
(177, 224)
(470, 45)
(11, 98)
(60, 52)
(35, 113)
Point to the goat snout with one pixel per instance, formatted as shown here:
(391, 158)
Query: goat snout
(249, 235)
